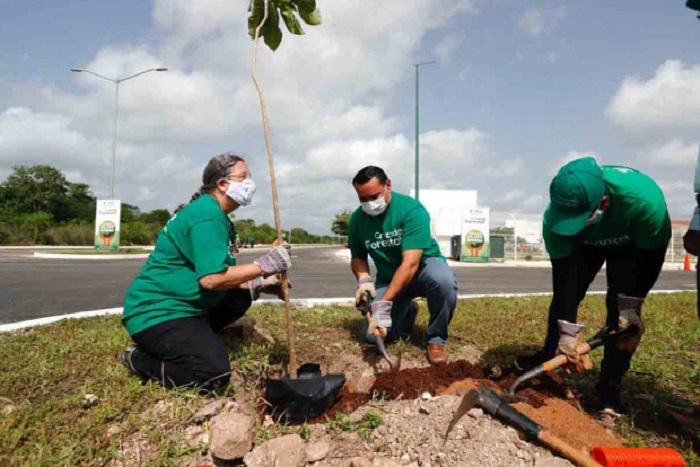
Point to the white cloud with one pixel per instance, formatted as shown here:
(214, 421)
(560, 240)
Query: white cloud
(447, 46)
(536, 21)
(327, 96)
(666, 105)
(675, 153)
(573, 155)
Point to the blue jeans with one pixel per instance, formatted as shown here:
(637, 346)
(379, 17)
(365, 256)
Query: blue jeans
(435, 281)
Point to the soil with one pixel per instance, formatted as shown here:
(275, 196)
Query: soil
(546, 401)
(570, 424)
(413, 429)
(413, 434)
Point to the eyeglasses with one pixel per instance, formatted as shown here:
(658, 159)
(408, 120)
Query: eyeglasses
(237, 177)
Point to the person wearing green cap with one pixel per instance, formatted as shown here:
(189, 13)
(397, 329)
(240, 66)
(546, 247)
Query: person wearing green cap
(613, 215)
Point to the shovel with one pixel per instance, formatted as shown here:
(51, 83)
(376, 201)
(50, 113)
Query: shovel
(486, 399)
(294, 400)
(603, 337)
(364, 308)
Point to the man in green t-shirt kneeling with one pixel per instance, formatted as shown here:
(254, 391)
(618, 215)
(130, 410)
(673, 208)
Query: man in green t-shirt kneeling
(613, 215)
(394, 230)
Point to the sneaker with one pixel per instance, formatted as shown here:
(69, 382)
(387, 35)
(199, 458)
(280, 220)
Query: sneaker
(529, 361)
(610, 400)
(125, 358)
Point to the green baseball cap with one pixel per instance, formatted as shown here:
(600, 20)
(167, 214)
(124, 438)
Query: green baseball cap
(574, 194)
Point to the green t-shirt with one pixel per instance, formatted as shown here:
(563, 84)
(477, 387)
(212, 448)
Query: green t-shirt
(637, 215)
(405, 225)
(194, 243)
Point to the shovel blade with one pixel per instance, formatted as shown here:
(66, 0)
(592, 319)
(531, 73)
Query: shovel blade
(469, 401)
(305, 398)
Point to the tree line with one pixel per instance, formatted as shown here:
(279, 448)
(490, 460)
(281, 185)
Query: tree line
(40, 206)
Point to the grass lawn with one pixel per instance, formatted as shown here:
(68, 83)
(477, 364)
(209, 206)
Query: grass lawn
(47, 372)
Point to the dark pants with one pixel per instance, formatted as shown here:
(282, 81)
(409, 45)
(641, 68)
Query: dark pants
(186, 352)
(435, 281)
(629, 271)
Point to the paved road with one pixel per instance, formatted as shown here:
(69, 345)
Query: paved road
(33, 287)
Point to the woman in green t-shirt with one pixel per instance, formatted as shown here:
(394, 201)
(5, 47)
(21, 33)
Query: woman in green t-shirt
(190, 287)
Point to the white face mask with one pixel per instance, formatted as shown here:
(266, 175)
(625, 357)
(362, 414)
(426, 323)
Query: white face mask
(595, 218)
(241, 192)
(376, 207)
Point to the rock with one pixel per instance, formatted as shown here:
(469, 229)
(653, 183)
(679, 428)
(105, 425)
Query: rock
(384, 462)
(241, 330)
(550, 462)
(407, 411)
(426, 396)
(231, 436)
(287, 451)
(424, 410)
(476, 413)
(406, 459)
(358, 462)
(113, 430)
(268, 422)
(261, 336)
(316, 451)
(9, 409)
(208, 411)
(195, 435)
(231, 406)
(90, 400)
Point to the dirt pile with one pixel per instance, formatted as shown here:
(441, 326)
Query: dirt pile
(545, 400)
(413, 434)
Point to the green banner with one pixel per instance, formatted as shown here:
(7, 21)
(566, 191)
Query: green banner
(475, 235)
(107, 220)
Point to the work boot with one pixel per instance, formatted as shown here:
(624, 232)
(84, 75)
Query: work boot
(610, 399)
(437, 354)
(530, 361)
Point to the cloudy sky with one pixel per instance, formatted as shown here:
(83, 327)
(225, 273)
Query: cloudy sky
(519, 88)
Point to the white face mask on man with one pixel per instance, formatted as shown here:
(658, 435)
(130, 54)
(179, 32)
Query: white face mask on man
(595, 218)
(241, 192)
(377, 207)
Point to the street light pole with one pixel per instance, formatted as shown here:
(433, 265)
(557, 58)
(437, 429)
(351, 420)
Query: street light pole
(116, 108)
(417, 136)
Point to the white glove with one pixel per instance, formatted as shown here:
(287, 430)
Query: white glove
(568, 342)
(630, 315)
(270, 285)
(380, 317)
(365, 286)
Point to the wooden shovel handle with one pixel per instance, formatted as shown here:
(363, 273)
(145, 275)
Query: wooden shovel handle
(556, 444)
(560, 360)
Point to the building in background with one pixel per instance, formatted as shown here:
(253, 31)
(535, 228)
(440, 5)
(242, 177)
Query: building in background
(446, 209)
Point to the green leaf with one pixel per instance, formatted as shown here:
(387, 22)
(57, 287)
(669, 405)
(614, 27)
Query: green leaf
(312, 18)
(273, 37)
(256, 15)
(290, 19)
(271, 29)
(306, 5)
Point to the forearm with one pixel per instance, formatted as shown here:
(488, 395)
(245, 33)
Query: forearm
(235, 277)
(402, 277)
(564, 288)
(360, 267)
